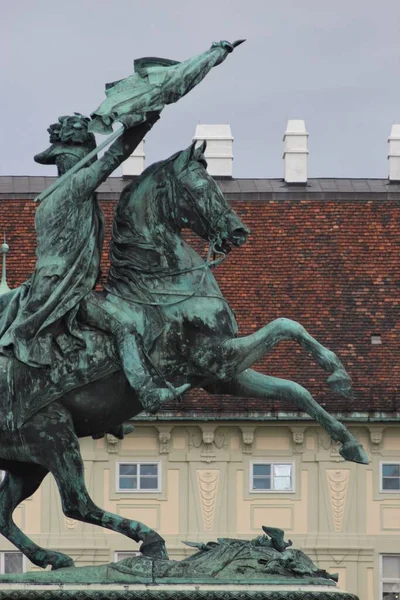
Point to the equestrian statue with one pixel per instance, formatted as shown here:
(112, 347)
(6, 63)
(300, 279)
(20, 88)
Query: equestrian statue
(77, 362)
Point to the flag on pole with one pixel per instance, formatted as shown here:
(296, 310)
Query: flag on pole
(154, 83)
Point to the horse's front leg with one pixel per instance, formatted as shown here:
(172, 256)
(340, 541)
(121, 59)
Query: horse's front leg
(240, 353)
(251, 384)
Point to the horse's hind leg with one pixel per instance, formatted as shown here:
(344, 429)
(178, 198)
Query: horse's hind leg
(63, 459)
(240, 353)
(252, 384)
(17, 485)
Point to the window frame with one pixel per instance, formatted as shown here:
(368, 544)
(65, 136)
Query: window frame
(381, 580)
(138, 491)
(272, 463)
(387, 462)
(3, 552)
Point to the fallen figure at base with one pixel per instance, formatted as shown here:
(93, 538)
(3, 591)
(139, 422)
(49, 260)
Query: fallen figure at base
(265, 559)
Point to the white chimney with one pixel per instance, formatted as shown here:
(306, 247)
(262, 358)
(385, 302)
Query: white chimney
(295, 151)
(4, 248)
(219, 152)
(394, 153)
(134, 164)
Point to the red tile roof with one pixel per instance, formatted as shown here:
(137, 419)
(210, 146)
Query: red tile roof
(330, 263)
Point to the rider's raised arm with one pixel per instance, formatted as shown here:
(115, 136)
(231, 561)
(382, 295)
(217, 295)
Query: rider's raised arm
(87, 180)
(190, 72)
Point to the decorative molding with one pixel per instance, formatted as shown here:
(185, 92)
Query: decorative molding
(206, 441)
(153, 511)
(208, 453)
(270, 510)
(376, 437)
(248, 438)
(146, 593)
(70, 523)
(195, 440)
(328, 443)
(335, 455)
(208, 486)
(164, 438)
(338, 558)
(394, 509)
(298, 439)
(207, 432)
(112, 444)
(338, 483)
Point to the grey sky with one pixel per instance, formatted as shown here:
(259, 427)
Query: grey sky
(335, 64)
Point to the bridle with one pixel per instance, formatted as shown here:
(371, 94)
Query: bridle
(210, 261)
(209, 225)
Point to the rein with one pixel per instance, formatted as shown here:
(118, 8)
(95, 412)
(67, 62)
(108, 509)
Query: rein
(209, 262)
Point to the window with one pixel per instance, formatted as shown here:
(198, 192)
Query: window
(11, 562)
(121, 555)
(390, 477)
(391, 577)
(271, 477)
(139, 477)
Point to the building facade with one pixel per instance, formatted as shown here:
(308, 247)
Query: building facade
(325, 253)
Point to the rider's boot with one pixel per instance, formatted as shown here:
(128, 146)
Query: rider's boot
(134, 364)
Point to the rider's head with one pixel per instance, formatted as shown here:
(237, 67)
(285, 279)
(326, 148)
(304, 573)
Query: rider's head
(70, 142)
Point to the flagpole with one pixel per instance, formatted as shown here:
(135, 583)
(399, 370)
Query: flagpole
(115, 135)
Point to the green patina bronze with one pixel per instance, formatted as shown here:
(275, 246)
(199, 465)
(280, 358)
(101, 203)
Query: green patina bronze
(172, 592)
(75, 362)
(228, 569)
(154, 83)
(265, 559)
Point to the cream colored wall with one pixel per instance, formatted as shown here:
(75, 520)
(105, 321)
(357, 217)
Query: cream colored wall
(336, 512)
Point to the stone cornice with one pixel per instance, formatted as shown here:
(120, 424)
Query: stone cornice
(355, 417)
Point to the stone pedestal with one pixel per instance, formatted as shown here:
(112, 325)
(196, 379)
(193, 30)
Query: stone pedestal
(18, 591)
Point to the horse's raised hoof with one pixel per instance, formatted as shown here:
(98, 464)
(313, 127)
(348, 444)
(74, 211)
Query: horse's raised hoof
(354, 452)
(340, 383)
(58, 560)
(154, 548)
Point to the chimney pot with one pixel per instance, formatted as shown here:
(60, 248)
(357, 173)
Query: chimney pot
(394, 153)
(295, 151)
(134, 164)
(219, 152)
(4, 248)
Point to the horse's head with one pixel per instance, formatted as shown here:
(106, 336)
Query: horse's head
(200, 204)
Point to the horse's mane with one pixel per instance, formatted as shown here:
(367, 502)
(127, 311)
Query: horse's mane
(132, 256)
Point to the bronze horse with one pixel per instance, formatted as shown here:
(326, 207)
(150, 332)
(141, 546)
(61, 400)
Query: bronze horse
(190, 336)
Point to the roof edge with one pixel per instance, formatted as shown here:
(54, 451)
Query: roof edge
(356, 417)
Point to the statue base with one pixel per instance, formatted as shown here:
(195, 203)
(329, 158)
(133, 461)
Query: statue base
(181, 591)
(265, 568)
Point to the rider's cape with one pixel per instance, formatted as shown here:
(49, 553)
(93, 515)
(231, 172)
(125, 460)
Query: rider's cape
(70, 231)
(25, 390)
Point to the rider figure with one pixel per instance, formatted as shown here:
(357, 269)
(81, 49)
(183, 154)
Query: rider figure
(41, 319)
